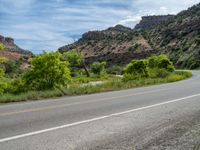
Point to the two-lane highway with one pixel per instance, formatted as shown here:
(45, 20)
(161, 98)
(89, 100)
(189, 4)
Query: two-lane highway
(127, 119)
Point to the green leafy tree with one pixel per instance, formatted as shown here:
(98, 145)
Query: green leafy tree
(47, 71)
(98, 67)
(75, 59)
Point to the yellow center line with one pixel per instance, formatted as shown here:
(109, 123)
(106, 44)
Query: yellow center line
(77, 103)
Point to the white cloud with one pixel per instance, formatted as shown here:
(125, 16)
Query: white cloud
(163, 7)
(130, 21)
(15, 6)
(37, 36)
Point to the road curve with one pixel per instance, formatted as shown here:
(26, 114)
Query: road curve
(154, 117)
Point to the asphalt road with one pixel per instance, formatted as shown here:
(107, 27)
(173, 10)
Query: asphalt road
(154, 117)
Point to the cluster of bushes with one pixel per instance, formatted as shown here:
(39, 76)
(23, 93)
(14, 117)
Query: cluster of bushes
(113, 84)
(154, 67)
(47, 71)
(55, 74)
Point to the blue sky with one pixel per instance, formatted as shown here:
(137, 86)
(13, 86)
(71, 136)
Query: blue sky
(40, 25)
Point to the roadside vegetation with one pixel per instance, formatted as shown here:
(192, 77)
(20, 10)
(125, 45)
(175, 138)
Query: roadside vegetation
(55, 74)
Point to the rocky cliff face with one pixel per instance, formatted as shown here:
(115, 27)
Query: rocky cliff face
(148, 22)
(11, 46)
(12, 51)
(7, 41)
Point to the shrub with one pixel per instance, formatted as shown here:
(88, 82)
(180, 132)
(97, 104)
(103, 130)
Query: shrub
(165, 63)
(79, 73)
(179, 76)
(47, 72)
(16, 86)
(3, 82)
(3, 60)
(175, 77)
(98, 67)
(185, 74)
(136, 69)
(155, 67)
(152, 62)
(116, 70)
(162, 73)
(1, 47)
(3, 87)
(161, 62)
(128, 77)
(159, 73)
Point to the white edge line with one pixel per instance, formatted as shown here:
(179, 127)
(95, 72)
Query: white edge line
(93, 119)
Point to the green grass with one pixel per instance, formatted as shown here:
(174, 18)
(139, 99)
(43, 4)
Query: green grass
(30, 95)
(112, 83)
(179, 76)
(93, 78)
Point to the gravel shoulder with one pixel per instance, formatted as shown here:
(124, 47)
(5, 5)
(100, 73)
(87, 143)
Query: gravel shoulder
(184, 135)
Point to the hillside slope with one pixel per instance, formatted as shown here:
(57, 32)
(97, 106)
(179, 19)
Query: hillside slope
(177, 36)
(116, 45)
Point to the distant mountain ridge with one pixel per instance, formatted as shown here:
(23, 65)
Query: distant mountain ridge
(112, 45)
(177, 36)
